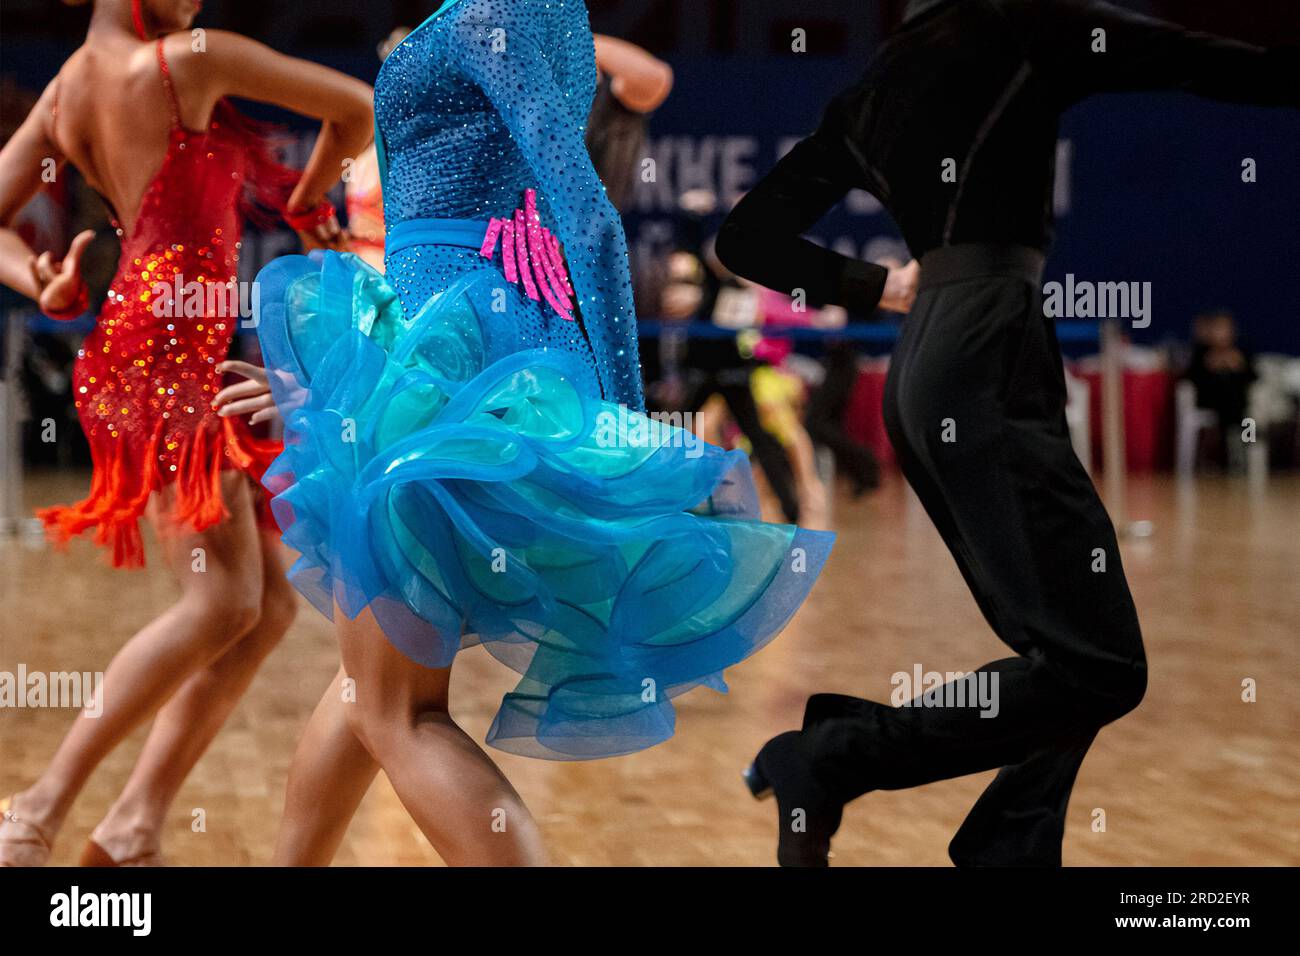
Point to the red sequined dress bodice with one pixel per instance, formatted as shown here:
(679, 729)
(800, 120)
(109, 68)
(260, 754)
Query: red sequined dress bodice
(146, 376)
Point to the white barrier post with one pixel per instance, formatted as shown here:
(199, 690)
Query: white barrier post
(11, 452)
(1114, 460)
(1114, 456)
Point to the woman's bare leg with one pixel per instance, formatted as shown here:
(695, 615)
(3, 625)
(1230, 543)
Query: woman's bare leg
(457, 796)
(186, 726)
(814, 498)
(329, 776)
(220, 572)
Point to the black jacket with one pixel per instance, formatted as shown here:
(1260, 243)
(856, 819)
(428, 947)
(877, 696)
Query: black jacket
(974, 89)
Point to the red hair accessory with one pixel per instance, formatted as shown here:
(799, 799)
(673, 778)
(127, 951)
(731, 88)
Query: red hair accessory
(137, 20)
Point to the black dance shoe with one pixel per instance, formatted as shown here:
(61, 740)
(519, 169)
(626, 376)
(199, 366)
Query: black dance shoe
(807, 815)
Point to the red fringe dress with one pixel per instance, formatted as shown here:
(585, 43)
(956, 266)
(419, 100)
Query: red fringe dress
(145, 378)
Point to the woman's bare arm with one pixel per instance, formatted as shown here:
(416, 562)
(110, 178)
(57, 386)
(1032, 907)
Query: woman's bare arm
(641, 82)
(234, 65)
(55, 284)
(23, 160)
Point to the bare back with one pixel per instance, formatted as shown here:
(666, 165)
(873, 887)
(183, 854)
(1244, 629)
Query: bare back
(111, 117)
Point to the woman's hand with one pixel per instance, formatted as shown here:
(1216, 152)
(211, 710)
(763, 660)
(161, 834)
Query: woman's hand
(60, 282)
(327, 235)
(900, 287)
(251, 396)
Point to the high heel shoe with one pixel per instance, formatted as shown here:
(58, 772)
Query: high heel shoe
(33, 850)
(807, 815)
(758, 784)
(96, 855)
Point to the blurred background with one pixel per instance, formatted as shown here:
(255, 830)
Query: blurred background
(1149, 190)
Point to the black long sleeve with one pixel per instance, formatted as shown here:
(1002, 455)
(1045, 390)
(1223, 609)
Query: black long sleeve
(955, 125)
(761, 239)
(1144, 54)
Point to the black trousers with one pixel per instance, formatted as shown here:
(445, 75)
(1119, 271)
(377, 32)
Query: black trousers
(975, 408)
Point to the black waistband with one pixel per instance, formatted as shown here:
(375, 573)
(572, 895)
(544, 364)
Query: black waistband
(976, 260)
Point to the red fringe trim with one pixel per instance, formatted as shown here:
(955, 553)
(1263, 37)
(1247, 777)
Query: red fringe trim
(126, 476)
(268, 183)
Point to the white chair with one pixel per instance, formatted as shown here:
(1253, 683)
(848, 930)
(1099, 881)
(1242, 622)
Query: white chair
(1273, 400)
(1078, 416)
(1189, 422)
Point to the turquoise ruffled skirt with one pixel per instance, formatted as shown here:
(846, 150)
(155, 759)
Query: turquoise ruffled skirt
(614, 562)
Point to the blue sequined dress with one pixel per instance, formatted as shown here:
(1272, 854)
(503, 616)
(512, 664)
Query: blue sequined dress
(466, 450)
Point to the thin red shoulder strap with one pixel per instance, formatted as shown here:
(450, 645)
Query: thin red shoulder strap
(172, 102)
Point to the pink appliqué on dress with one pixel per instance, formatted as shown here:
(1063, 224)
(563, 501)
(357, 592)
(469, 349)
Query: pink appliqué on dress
(531, 256)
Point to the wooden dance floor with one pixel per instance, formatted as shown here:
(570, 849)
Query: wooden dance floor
(1195, 776)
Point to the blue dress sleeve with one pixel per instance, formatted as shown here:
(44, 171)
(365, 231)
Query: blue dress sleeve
(509, 66)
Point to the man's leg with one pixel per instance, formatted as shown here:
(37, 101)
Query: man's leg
(1019, 820)
(975, 411)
